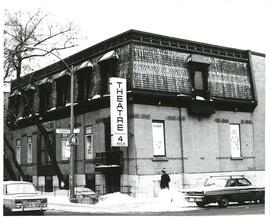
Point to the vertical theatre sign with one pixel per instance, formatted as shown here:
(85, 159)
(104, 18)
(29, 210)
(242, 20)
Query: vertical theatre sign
(118, 93)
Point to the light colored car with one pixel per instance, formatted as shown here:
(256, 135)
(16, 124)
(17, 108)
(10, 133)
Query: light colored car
(223, 190)
(20, 196)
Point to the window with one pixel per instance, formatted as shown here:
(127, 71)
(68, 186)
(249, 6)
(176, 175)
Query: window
(29, 149)
(43, 154)
(243, 182)
(83, 78)
(235, 141)
(108, 68)
(44, 97)
(62, 90)
(89, 154)
(198, 68)
(18, 151)
(158, 138)
(65, 147)
(198, 80)
(30, 99)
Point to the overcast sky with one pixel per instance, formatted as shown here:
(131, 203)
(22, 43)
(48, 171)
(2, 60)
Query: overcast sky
(233, 23)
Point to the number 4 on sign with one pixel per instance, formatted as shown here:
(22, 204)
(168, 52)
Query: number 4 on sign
(120, 138)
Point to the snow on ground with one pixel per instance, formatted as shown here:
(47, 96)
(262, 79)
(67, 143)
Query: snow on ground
(118, 202)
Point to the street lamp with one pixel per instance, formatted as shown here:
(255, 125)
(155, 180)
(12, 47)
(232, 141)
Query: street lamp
(72, 196)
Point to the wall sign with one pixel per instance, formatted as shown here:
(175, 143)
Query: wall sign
(158, 138)
(118, 93)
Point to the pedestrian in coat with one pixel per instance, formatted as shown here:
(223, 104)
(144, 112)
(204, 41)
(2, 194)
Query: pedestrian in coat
(165, 179)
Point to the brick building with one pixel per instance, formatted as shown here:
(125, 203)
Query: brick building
(193, 108)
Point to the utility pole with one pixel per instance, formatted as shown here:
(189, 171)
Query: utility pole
(72, 196)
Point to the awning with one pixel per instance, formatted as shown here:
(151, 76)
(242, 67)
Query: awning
(44, 81)
(16, 92)
(109, 55)
(86, 64)
(29, 87)
(61, 74)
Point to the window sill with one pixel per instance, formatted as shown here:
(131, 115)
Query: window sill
(237, 158)
(64, 161)
(160, 159)
(89, 160)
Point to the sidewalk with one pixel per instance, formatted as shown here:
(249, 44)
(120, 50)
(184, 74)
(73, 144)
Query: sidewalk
(122, 203)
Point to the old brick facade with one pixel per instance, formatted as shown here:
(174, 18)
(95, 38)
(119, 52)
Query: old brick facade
(196, 111)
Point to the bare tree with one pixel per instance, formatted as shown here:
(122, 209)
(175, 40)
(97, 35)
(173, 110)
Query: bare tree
(28, 36)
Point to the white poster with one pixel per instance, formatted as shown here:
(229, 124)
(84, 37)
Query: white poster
(158, 138)
(89, 147)
(235, 141)
(118, 94)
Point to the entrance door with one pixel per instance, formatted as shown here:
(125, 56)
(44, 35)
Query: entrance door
(113, 182)
(48, 184)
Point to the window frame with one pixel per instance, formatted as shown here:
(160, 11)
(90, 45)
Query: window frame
(164, 139)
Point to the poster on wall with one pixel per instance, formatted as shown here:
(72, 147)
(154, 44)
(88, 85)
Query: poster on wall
(118, 109)
(158, 138)
(235, 140)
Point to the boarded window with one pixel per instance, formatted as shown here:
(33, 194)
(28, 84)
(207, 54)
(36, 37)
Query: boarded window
(89, 153)
(18, 151)
(29, 149)
(235, 140)
(65, 147)
(158, 138)
(198, 80)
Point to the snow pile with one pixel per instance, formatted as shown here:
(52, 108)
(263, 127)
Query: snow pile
(115, 198)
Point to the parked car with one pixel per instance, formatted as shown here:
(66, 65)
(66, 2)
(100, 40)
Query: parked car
(223, 190)
(20, 196)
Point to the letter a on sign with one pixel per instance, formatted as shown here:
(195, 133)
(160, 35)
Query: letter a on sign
(118, 95)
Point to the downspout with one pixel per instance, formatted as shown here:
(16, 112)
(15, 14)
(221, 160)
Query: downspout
(182, 148)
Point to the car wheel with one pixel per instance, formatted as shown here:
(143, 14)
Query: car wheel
(200, 204)
(241, 202)
(261, 200)
(223, 202)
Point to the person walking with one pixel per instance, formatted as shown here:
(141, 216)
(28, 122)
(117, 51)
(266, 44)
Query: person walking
(165, 179)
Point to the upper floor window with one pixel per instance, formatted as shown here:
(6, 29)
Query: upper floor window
(28, 100)
(14, 101)
(62, 90)
(45, 91)
(158, 131)
(198, 68)
(108, 68)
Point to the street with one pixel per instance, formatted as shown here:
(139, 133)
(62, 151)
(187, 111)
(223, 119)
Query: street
(247, 209)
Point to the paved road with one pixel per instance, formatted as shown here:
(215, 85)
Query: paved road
(247, 209)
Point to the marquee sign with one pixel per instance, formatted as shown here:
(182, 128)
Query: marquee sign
(118, 99)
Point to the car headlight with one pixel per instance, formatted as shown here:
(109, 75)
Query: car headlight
(18, 203)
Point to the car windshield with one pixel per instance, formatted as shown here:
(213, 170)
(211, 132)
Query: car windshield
(20, 189)
(215, 182)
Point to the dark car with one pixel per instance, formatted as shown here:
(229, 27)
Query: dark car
(223, 190)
